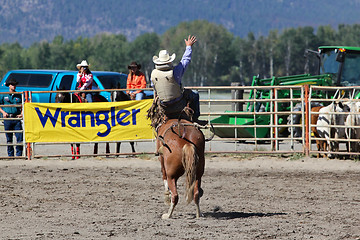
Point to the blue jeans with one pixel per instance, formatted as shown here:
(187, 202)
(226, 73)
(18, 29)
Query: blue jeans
(10, 125)
(194, 98)
(88, 97)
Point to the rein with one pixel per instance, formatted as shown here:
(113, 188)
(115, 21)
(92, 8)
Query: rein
(78, 96)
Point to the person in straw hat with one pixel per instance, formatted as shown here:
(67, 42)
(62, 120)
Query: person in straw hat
(9, 111)
(166, 80)
(135, 79)
(85, 79)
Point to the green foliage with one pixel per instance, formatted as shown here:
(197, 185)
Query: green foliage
(219, 57)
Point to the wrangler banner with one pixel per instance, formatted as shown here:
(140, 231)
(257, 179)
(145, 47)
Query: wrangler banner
(87, 122)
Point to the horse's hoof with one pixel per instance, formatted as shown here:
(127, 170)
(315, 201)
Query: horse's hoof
(165, 216)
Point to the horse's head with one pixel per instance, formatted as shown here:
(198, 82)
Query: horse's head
(62, 97)
(120, 96)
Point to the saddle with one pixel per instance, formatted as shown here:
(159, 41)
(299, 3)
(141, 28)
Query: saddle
(159, 113)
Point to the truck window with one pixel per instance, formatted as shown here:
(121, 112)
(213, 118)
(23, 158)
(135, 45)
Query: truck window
(32, 79)
(113, 81)
(66, 82)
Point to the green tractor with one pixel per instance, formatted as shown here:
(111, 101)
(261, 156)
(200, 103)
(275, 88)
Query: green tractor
(337, 66)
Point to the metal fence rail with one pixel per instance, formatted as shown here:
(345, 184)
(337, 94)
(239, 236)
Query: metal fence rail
(264, 114)
(268, 122)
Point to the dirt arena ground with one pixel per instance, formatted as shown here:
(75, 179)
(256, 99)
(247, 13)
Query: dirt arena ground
(122, 198)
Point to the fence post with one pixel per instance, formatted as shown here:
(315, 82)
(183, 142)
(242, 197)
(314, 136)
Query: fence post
(237, 94)
(307, 126)
(28, 146)
(274, 129)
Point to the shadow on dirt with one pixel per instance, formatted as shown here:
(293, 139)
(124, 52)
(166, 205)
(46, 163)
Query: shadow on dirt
(234, 215)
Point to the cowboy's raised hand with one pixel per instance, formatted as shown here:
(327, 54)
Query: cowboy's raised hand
(190, 41)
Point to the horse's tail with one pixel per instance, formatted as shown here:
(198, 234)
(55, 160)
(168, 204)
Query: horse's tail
(190, 161)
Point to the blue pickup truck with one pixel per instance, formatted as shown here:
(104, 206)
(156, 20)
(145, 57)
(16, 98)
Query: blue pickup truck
(51, 80)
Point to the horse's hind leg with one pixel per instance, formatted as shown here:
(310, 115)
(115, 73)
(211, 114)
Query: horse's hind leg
(198, 192)
(132, 146)
(174, 198)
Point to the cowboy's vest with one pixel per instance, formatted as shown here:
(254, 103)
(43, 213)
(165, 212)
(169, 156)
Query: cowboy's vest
(165, 85)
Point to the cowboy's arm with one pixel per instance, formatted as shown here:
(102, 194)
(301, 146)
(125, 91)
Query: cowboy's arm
(1, 110)
(179, 69)
(78, 76)
(3, 113)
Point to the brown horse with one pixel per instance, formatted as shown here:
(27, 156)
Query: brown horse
(181, 147)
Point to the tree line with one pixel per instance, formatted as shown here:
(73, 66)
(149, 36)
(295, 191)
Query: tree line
(219, 57)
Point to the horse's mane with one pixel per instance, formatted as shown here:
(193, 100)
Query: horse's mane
(156, 114)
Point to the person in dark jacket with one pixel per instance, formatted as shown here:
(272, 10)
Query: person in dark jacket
(8, 111)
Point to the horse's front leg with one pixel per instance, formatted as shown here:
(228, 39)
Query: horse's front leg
(174, 198)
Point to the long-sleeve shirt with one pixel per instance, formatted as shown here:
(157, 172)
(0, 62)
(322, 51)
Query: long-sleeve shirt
(179, 69)
(85, 81)
(136, 81)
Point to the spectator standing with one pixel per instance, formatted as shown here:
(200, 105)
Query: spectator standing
(85, 79)
(136, 79)
(8, 111)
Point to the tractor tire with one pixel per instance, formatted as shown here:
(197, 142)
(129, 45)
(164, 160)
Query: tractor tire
(297, 118)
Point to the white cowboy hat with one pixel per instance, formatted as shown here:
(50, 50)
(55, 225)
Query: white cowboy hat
(83, 63)
(164, 57)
